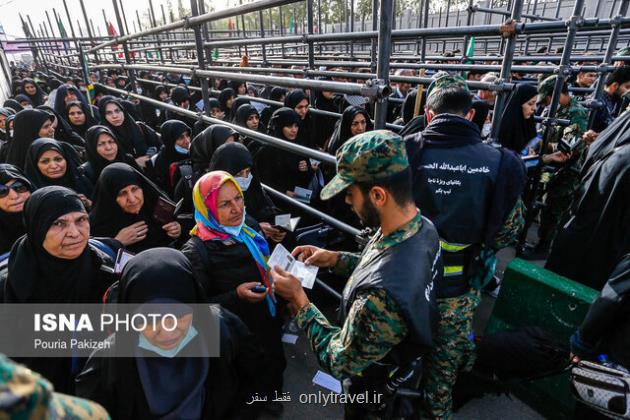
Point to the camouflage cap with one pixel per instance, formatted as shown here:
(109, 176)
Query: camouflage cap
(545, 88)
(367, 157)
(443, 81)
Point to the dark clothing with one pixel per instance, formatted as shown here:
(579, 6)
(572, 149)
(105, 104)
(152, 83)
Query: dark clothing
(11, 224)
(26, 128)
(160, 170)
(307, 131)
(515, 132)
(60, 98)
(90, 120)
(343, 129)
(64, 131)
(605, 115)
(220, 266)
(324, 125)
(96, 163)
(596, 232)
(39, 97)
(606, 327)
(107, 218)
(35, 276)
(465, 187)
(150, 387)
(73, 177)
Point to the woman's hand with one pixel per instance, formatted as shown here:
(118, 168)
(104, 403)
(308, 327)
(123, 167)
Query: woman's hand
(132, 233)
(173, 230)
(243, 291)
(303, 166)
(276, 235)
(142, 161)
(86, 201)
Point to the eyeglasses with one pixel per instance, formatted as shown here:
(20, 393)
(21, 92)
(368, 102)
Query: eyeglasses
(18, 186)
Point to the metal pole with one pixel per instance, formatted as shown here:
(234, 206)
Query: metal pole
(351, 26)
(374, 41)
(124, 16)
(65, 48)
(311, 50)
(506, 68)
(425, 24)
(384, 52)
(243, 27)
(157, 36)
(612, 44)
(87, 23)
(262, 35)
(65, 5)
(121, 29)
(202, 65)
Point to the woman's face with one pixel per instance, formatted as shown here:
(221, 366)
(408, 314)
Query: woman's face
(183, 140)
(242, 90)
(359, 124)
(70, 97)
(164, 96)
(26, 105)
(114, 115)
(76, 115)
(253, 121)
(161, 337)
(3, 121)
(243, 173)
(30, 89)
(302, 108)
(14, 201)
(130, 199)
(230, 205)
(68, 236)
(107, 147)
(229, 102)
(290, 131)
(52, 164)
(529, 108)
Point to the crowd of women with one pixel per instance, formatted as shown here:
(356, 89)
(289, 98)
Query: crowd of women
(84, 176)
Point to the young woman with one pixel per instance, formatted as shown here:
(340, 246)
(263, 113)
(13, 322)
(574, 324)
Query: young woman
(124, 206)
(176, 140)
(28, 125)
(79, 117)
(102, 148)
(354, 120)
(34, 92)
(517, 127)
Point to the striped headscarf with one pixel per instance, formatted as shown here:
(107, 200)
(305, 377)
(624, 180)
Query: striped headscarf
(205, 196)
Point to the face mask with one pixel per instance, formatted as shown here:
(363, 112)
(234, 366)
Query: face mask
(143, 343)
(485, 131)
(181, 150)
(234, 230)
(11, 133)
(244, 182)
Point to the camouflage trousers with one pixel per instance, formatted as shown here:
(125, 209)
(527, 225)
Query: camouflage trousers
(453, 351)
(560, 192)
(24, 394)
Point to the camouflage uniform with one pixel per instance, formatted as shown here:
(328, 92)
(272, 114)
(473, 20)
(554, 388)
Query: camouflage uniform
(24, 394)
(561, 185)
(374, 324)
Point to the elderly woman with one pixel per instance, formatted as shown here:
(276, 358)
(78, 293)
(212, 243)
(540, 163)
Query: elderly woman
(229, 259)
(102, 148)
(124, 209)
(53, 263)
(15, 189)
(28, 126)
(169, 377)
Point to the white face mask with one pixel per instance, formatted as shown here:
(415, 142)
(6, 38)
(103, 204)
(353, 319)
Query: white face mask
(244, 182)
(485, 131)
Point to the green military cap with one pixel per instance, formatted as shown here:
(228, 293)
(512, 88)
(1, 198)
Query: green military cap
(443, 80)
(367, 157)
(545, 88)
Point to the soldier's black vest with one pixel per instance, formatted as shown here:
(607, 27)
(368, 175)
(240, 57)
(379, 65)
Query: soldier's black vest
(407, 271)
(454, 180)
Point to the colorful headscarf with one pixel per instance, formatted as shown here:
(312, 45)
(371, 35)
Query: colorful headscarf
(205, 195)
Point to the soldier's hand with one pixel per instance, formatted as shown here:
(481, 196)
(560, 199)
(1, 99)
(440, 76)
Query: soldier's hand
(556, 157)
(313, 255)
(289, 287)
(589, 137)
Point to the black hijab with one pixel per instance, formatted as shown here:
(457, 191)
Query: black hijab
(63, 131)
(243, 113)
(236, 104)
(60, 98)
(235, 84)
(13, 104)
(224, 96)
(39, 97)
(11, 224)
(96, 161)
(155, 276)
(307, 132)
(90, 121)
(26, 126)
(35, 276)
(282, 117)
(233, 158)
(168, 155)
(179, 95)
(205, 143)
(294, 97)
(515, 131)
(107, 218)
(129, 135)
(72, 179)
(343, 130)
(22, 97)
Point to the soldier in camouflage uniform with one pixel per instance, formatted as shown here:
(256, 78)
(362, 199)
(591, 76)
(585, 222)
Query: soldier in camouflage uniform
(561, 185)
(25, 395)
(388, 310)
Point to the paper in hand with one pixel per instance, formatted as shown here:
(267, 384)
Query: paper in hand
(122, 258)
(282, 258)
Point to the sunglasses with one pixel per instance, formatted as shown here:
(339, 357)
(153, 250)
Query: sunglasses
(18, 186)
